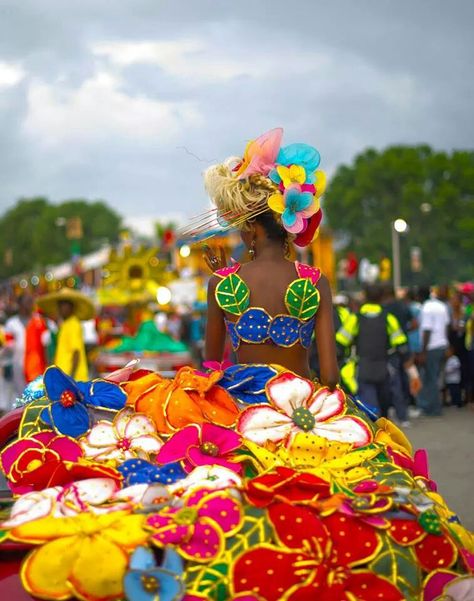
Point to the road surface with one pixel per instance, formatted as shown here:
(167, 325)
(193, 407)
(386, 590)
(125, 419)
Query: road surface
(449, 440)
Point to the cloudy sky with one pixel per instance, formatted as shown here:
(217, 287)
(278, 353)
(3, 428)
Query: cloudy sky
(128, 100)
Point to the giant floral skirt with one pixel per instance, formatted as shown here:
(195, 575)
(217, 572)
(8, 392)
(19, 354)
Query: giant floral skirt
(246, 482)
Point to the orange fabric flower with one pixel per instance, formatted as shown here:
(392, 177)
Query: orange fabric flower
(190, 398)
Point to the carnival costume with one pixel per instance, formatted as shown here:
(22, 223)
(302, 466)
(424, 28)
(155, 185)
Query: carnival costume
(243, 482)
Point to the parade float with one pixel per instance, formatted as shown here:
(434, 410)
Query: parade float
(241, 483)
(134, 279)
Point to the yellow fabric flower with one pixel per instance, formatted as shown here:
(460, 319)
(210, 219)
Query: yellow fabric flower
(320, 182)
(295, 174)
(276, 202)
(316, 455)
(389, 435)
(84, 556)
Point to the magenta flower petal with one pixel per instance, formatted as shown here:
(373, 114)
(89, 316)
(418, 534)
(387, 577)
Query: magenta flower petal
(11, 453)
(173, 534)
(227, 440)
(176, 447)
(44, 437)
(196, 457)
(223, 510)
(66, 448)
(205, 543)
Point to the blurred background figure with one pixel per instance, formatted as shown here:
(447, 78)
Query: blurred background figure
(434, 328)
(376, 334)
(15, 331)
(452, 377)
(69, 307)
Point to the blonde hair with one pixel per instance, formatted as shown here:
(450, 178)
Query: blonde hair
(237, 200)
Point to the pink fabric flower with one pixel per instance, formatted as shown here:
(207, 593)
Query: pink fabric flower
(366, 508)
(418, 466)
(205, 444)
(260, 154)
(129, 435)
(444, 585)
(198, 528)
(295, 407)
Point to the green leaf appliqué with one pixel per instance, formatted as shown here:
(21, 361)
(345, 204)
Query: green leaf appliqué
(31, 421)
(232, 294)
(302, 298)
(399, 566)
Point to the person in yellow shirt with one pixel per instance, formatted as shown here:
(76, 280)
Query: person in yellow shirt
(70, 349)
(69, 307)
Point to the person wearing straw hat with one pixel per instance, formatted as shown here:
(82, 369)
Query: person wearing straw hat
(69, 307)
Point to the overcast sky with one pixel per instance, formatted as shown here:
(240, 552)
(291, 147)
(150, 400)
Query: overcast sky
(128, 100)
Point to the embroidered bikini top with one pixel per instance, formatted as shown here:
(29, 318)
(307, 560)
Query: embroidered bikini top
(254, 325)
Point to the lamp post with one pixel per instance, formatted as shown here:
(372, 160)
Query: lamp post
(399, 226)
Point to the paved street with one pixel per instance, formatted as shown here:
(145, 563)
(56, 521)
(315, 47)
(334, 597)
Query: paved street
(449, 441)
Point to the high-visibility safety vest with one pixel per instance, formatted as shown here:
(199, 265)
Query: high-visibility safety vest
(349, 331)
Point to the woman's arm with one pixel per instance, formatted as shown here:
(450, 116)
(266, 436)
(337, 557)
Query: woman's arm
(325, 337)
(215, 326)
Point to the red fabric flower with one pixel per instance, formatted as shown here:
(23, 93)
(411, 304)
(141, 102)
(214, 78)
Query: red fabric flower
(45, 460)
(322, 553)
(433, 551)
(285, 484)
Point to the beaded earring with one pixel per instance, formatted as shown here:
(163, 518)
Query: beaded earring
(252, 251)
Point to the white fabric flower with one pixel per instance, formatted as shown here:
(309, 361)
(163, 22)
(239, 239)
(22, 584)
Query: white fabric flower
(213, 477)
(96, 495)
(129, 435)
(296, 407)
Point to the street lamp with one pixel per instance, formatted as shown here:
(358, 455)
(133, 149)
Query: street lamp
(399, 226)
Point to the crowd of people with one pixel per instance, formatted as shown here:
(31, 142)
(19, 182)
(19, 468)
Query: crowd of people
(41, 332)
(407, 356)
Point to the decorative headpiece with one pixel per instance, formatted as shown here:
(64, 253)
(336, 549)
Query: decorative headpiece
(285, 180)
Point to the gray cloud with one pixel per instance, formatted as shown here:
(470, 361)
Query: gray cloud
(112, 99)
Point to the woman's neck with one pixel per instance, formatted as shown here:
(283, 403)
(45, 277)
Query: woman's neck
(269, 250)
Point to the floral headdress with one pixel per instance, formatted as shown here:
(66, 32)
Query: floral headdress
(284, 179)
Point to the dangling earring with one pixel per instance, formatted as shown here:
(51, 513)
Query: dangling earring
(286, 248)
(252, 251)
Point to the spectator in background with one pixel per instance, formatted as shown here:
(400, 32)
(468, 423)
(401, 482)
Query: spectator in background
(457, 338)
(375, 333)
(452, 377)
(398, 377)
(71, 350)
(434, 326)
(15, 331)
(469, 345)
(70, 307)
(414, 305)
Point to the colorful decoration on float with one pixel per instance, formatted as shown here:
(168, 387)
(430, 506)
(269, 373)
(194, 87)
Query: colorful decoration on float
(184, 494)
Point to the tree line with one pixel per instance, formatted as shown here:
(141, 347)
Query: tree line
(35, 232)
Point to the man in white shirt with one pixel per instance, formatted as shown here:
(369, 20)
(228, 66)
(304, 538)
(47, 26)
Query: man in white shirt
(434, 324)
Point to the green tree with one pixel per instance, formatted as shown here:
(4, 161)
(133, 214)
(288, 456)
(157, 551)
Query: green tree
(433, 191)
(33, 233)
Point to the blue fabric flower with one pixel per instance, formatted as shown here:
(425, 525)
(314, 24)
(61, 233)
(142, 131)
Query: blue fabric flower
(247, 382)
(300, 154)
(140, 471)
(296, 205)
(145, 581)
(67, 413)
